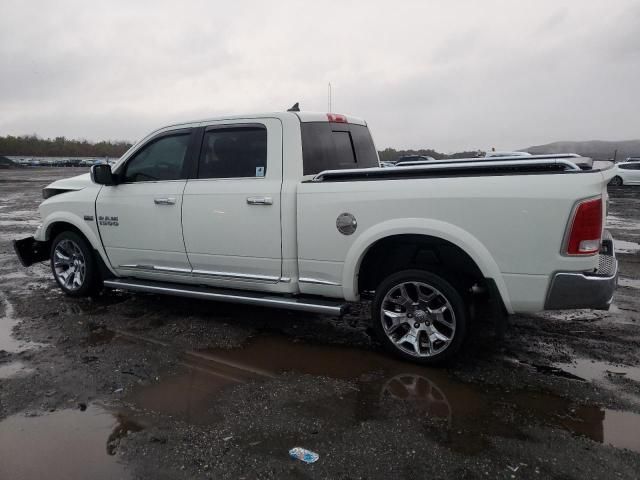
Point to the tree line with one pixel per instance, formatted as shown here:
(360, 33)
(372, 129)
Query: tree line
(391, 154)
(32, 145)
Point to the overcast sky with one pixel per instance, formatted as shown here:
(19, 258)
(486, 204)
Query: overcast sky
(448, 74)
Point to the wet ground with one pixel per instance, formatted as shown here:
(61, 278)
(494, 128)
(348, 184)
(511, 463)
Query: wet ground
(142, 386)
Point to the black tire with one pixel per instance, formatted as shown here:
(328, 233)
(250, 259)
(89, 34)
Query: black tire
(424, 284)
(616, 181)
(78, 250)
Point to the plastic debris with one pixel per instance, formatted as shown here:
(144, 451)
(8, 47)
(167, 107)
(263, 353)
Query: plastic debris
(307, 456)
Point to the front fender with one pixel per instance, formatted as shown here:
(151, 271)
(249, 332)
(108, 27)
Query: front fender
(420, 226)
(88, 228)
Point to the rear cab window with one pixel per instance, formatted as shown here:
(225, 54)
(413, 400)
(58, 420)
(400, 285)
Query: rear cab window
(336, 146)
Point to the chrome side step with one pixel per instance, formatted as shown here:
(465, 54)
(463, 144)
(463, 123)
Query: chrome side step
(303, 304)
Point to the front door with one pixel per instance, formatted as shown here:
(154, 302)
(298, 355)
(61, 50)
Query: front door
(140, 217)
(231, 209)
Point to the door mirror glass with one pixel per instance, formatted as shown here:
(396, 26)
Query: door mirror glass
(101, 174)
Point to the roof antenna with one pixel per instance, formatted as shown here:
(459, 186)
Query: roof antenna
(295, 108)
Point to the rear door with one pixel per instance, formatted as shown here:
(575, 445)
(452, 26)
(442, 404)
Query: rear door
(231, 209)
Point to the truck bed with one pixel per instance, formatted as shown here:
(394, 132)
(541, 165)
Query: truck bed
(536, 164)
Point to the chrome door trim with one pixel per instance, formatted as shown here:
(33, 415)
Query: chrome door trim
(317, 281)
(237, 276)
(155, 268)
(208, 273)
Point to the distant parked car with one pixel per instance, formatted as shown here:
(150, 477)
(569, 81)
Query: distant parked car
(414, 158)
(627, 173)
(506, 154)
(6, 163)
(632, 159)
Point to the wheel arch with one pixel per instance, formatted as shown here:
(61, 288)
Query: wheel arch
(428, 230)
(66, 221)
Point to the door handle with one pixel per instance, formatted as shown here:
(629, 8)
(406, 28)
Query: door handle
(260, 200)
(165, 201)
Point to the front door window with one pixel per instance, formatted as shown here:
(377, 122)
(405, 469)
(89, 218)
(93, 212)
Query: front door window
(161, 160)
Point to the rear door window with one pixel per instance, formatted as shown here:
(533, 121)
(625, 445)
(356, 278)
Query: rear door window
(233, 152)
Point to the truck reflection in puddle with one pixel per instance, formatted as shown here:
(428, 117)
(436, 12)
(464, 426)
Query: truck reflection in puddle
(383, 387)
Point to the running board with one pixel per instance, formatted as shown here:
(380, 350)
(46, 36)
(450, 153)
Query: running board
(303, 304)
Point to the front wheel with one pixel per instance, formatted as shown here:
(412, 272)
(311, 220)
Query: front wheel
(616, 181)
(73, 265)
(419, 316)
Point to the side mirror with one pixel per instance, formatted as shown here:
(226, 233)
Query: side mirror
(101, 174)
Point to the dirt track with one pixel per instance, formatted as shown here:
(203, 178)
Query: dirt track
(142, 386)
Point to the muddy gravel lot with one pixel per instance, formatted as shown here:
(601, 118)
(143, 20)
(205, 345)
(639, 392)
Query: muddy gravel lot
(142, 386)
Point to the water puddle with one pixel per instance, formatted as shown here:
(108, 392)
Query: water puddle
(19, 215)
(624, 246)
(8, 342)
(613, 308)
(619, 223)
(13, 369)
(100, 336)
(381, 382)
(67, 444)
(587, 369)
(628, 282)
(19, 223)
(13, 276)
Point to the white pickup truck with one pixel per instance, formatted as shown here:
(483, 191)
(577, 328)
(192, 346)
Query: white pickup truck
(291, 210)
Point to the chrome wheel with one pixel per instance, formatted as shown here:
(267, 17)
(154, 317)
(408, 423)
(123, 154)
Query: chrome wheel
(69, 265)
(418, 319)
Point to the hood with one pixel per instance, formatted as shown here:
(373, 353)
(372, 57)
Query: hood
(74, 183)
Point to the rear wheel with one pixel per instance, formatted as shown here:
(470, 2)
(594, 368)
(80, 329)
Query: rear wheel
(419, 316)
(73, 265)
(616, 181)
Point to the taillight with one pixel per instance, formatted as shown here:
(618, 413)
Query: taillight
(586, 229)
(336, 118)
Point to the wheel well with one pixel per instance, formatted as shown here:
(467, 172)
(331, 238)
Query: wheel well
(400, 252)
(58, 227)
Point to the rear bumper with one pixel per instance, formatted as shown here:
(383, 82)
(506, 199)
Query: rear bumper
(586, 289)
(30, 251)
